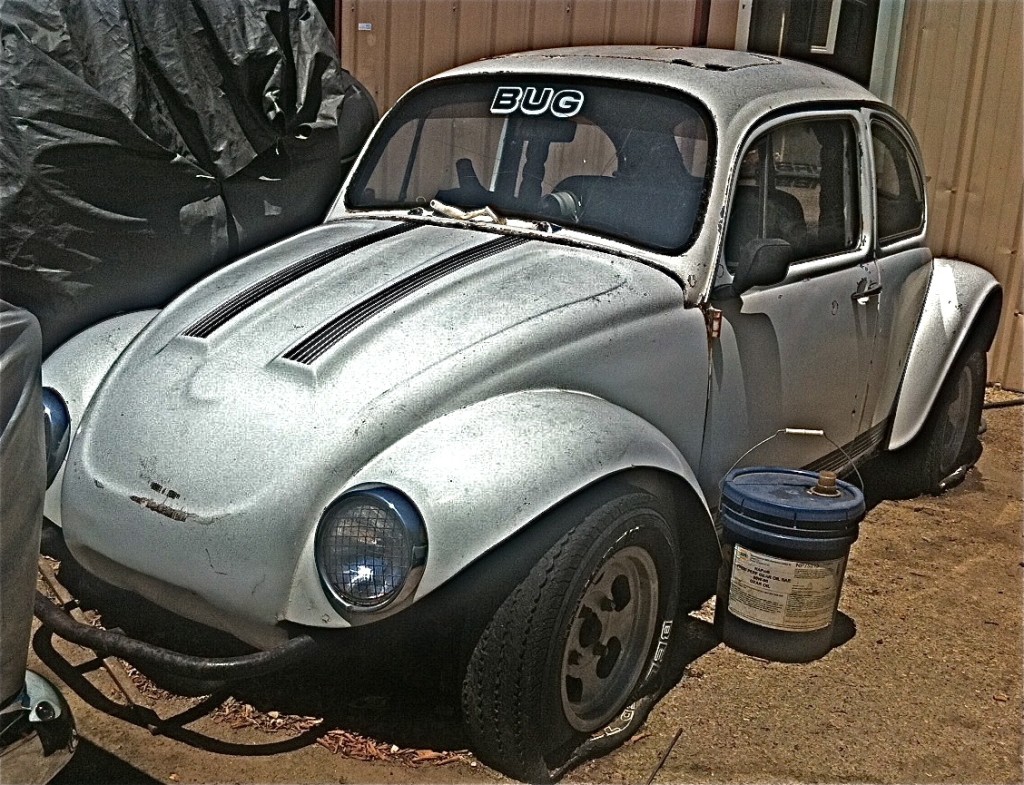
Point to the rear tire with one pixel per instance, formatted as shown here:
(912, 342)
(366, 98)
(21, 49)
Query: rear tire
(948, 444)
(568, 666)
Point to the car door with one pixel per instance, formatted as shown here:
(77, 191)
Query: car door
(797, 353)
(901, 254)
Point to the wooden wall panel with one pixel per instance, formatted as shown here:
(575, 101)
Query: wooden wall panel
(363, 51)
(672, 21)
(722, 24)
(959, 84)
(474, 30)
(400, 28)
(390, 45)
(551, 22)
(512, 24)
(592, 23)
(437, 49)
(631, 21)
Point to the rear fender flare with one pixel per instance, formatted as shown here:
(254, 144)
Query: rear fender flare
(482, 474)
(77, 368)
(962, 303)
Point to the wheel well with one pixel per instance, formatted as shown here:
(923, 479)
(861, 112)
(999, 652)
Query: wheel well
(987, 321)
(699, 546)
(981, 333)
(462, 606)
(700, 551)
(910, 410)
(900, 470)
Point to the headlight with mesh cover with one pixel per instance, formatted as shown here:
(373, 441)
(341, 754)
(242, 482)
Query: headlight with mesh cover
(370, 549)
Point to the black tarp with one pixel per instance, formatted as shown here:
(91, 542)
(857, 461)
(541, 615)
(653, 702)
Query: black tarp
(144, 143)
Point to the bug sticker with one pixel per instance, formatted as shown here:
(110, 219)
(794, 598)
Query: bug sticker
(537, 101)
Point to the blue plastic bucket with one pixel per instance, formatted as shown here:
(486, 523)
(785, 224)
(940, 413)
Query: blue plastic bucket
(786, 540)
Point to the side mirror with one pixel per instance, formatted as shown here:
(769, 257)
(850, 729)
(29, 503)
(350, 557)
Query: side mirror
(762, 262)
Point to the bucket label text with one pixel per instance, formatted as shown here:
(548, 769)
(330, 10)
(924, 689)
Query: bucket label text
(784, 595)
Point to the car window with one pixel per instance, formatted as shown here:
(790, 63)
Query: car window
(798, 183)
(423, 154)
(616, 159)
(898, 192)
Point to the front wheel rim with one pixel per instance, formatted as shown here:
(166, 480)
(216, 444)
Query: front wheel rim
(609, 637)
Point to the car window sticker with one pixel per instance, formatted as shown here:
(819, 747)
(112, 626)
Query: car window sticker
(536, 101)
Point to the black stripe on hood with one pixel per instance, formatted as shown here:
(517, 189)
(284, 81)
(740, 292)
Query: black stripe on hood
(309, 349)
(229, 309)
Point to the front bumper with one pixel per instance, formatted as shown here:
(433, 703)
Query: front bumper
(211, 671)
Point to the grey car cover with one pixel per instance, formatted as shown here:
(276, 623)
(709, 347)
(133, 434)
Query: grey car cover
(22, 484)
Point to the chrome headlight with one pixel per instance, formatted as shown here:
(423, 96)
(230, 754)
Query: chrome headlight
(370, 548)
(57, 424)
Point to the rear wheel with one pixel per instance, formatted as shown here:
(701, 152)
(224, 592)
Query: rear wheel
(948, 444)
(568, 666)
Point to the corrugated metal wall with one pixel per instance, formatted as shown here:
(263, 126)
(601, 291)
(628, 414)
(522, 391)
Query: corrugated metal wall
(392, 44)
(959, 84)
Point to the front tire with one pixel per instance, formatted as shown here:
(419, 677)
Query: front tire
(568, 666)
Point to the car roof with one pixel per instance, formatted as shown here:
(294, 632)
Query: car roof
(728, 82)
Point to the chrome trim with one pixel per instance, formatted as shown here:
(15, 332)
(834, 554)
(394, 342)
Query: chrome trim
(839, 460)
(57, 427)
(416, 533)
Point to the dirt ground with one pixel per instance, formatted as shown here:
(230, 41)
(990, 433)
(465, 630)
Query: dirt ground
(926, 689)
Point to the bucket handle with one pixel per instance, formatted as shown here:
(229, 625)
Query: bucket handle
(795, 432)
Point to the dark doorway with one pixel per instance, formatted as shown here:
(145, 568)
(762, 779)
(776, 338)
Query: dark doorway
(835, 34)
(326, 9)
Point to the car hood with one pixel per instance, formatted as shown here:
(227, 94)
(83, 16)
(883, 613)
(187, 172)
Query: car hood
(240, 412)
(356, 351)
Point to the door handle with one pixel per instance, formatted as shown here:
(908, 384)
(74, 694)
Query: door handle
(866, 294)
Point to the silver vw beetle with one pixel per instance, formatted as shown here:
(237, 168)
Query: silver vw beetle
(492, 396)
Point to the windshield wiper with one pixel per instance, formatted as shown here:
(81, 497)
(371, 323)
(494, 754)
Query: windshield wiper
(449, 211)
(488, 212)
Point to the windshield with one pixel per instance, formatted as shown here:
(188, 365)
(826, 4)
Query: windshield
(617, 159)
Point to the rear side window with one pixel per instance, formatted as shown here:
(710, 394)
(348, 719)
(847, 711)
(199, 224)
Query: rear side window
(898, 193)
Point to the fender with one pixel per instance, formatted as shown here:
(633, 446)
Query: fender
(481, 474)
(75, 370)
(961, 299)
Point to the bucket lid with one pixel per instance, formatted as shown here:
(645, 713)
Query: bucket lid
(784, 494)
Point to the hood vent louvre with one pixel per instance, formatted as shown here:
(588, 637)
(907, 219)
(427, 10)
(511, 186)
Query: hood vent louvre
(319, 342)
(229, 309)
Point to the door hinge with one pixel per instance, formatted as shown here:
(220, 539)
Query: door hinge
(713, 321)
